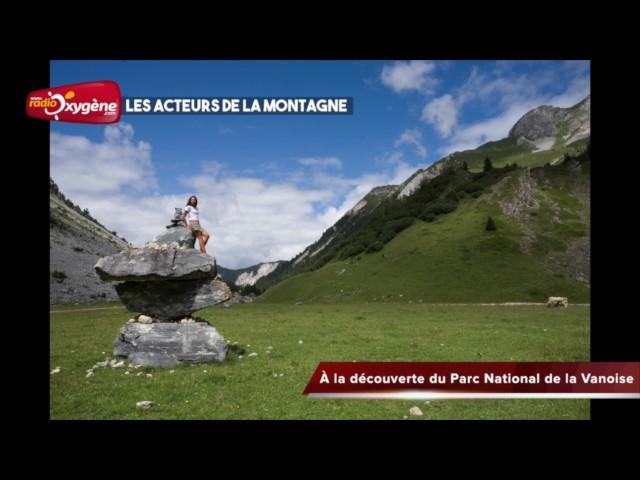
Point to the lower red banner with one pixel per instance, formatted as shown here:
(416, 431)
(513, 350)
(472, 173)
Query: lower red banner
(458, 380)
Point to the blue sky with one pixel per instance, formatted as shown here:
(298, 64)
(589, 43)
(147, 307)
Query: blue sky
(270, 185)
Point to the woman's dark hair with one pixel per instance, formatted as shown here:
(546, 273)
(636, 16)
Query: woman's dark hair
(189, 201)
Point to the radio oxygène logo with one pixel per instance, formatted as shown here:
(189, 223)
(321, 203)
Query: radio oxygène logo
(88, 102)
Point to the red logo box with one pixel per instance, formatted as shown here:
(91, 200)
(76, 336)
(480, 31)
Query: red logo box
(89, 102)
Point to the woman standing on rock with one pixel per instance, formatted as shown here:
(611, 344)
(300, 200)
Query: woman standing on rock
(191, 217)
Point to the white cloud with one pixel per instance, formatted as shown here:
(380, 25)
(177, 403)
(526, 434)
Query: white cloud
(122, 132)
(503, 66)
(502, 89)
(395, 158)
(413, 137)
(408, 76)
(442, 113)
(578, 89)
(321, 162)
(353, 189)
(116, 163)
(250, 219)
(499, 92)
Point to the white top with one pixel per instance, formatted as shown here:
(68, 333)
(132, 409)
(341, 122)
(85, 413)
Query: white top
(193, 215)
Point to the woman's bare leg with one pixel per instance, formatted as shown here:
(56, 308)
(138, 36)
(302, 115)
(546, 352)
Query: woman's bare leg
(206, 236)
(201, 242)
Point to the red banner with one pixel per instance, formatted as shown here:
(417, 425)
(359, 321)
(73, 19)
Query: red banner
(89, 102)
(409, 380)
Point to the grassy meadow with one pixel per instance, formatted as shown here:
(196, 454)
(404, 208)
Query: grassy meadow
(270, 385)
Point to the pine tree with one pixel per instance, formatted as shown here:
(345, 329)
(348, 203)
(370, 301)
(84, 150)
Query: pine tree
(487, 164)
(491, 226)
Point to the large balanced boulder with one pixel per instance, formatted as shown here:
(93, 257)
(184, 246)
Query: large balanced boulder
(166, 281)
(172, 299)
(169, 344)
(151, 263)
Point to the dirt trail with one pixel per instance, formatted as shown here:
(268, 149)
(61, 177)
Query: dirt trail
(504, 304)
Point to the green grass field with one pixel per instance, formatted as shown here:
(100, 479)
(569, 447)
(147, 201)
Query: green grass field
(270, 386)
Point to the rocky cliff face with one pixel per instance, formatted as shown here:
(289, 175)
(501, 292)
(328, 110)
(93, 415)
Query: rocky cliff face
(564, 124)
(256, 273)
(413, 183)
(76, 242)
(249, 276)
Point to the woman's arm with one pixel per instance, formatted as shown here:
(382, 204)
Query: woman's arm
(183, 217)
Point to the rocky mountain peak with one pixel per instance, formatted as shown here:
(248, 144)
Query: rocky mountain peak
(546, 121)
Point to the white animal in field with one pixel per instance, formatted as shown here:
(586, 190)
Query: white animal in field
(558, 302)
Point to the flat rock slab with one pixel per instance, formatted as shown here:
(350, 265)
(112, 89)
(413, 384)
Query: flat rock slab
(180, 236)
(170, 344)
(144, 264)
(172, 299)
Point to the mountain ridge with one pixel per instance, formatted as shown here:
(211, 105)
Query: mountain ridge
(540, 247)
(515, 150)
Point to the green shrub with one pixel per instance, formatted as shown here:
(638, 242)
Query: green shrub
(375, 247)
(441, 207)
(428, 216)
(472, 187)
(247, 289)
(536, 293)
(401, 224)
(352, 250)
(386, 235)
